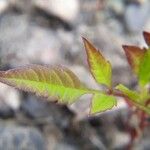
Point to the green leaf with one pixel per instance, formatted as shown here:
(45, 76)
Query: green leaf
(134, 56)
(58, 83)
(139, 60)
(142, 107)
(100, 68)
(144, 72)
(135, 98)
(144, 94)
(102, 102)
(133, 95)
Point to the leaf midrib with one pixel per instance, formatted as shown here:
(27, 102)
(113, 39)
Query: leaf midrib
(67, 87)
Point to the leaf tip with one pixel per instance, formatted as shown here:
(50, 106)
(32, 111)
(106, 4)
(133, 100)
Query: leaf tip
(86, 42)
(88, 45)
(147, 37)
(83, 38)
(126, 47)
(128, 50)
(134, 56)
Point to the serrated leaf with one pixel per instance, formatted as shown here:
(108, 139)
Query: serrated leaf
(134, 56)
(100, 68)
(102, 102)
(144, 71)
(147, 37)
(133, 95)
(56, 82)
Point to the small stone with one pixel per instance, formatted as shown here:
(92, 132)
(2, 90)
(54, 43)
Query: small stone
(6, 111)
(3, 5)
(63, 146)
(121, 139)
(44, 111)
(28, 43)
(9, 97)
(116, 6)
(20, 138)
(66, 10)
(136, 16)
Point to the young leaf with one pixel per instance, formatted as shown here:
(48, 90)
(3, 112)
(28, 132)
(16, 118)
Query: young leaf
(99, 66)
(102, 102)
(144, 72)
(133, 95)
(57, 82)
(143, 107)
(147, 37)
(134, 56)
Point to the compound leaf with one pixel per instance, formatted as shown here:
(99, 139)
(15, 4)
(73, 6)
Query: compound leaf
(100, 68)
(51, 82)
(102, 102)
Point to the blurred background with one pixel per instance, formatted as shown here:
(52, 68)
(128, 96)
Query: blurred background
(49, 32)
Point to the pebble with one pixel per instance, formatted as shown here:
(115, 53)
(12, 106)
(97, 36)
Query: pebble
(66, 10)
(29, 44)
(136, 16)
(20, 138)
(116, 6)
(3, 5)
(9, 97)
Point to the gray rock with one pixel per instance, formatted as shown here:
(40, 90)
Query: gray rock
(6, 111)
(47, 112)
(26, 43)
(142, 145)
(3, 5)
(62, 146)
(60, 8)
(9, 99)
(116, 6)
(20, 138)
(60, 126)
(136, 16)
